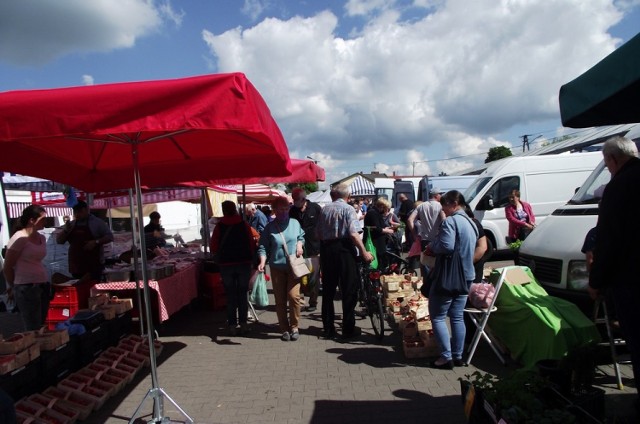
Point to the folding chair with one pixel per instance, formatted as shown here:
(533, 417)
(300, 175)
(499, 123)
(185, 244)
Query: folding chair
(253, 316)
(601, 305)
(480, 317)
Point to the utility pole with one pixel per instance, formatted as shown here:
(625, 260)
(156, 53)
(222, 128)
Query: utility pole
(413, 172)
(526, 141)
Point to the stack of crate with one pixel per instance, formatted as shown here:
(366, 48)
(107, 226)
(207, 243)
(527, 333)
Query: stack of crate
(19, 364)
(66, 302)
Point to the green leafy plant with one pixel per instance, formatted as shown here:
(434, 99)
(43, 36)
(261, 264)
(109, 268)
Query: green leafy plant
(522, 397)
(515, 246)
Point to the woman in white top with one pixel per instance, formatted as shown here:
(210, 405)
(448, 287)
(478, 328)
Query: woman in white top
(27, 280)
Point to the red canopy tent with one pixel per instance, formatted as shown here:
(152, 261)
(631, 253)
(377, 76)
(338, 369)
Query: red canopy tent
(184, 130)
(302, 171)
(152, 134)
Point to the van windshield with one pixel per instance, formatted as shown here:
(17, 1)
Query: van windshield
(476, 187)
(591, 190)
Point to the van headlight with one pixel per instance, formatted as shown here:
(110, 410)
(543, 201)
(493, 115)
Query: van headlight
(577, 276)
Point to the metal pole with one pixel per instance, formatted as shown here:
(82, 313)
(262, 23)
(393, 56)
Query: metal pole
(136, 264)
(157, 393)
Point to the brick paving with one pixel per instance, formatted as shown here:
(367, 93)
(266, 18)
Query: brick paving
(261, 379)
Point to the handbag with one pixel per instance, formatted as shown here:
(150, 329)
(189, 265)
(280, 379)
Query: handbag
(447, 277)
(259, 295)
(297, 265)
(371, 248)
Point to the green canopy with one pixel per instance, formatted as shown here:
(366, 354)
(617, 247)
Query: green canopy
(606, 94)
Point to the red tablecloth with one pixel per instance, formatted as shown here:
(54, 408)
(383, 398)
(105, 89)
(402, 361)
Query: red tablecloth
(173, 292)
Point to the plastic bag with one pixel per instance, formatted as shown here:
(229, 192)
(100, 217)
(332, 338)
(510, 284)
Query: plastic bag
(481, 295)
(369, 247)
(259, 295)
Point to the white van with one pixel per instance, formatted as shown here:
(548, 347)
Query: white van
(391, 188)
(546, 182)
(553, 250)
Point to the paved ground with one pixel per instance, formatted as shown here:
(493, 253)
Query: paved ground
(260, 379)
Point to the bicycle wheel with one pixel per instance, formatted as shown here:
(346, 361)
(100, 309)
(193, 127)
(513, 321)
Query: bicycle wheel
(376, 314)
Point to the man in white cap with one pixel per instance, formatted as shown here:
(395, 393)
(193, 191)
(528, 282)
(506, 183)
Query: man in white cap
(430, 216)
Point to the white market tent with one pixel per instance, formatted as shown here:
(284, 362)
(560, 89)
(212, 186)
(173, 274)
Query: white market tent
(362, 187)
(320, 197)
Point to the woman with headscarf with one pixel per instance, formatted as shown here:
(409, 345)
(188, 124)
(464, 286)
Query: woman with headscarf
(26, 276)
(281, 232)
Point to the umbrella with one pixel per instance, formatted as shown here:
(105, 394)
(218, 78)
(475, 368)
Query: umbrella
(302, 171)
(198, 128)
(160, 133)
(606, 94)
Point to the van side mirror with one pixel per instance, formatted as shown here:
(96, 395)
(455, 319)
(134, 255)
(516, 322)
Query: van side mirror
(486, 203)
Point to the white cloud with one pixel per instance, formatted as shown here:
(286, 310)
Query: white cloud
(167, 11)
(87, 80)
(446, 83)
(366, 7)
(254, 8)
(38, 31)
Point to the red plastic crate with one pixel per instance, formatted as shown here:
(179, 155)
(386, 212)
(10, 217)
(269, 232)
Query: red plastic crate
(77, 296)
(61, 313)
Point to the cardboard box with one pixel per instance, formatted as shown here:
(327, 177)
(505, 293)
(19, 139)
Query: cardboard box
(16, 343)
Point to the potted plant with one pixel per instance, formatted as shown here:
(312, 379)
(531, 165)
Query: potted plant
(521, 397)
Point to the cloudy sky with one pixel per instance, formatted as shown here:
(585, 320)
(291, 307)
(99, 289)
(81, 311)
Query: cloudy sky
(411, 86)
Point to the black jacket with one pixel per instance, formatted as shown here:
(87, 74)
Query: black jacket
(308, 221)
(617, 247)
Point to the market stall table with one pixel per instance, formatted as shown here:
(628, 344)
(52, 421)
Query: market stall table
(173, 292)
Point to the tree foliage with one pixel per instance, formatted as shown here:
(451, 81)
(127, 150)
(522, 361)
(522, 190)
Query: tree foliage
(308, 187)
(497, 152)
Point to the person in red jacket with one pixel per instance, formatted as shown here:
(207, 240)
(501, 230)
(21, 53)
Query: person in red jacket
(234, 244)
(520, 216)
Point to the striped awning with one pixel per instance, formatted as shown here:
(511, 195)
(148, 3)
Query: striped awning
(362, 187)
(15, 209)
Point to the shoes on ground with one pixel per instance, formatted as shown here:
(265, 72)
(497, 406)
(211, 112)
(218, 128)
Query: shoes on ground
(458, 363)
(354, 332)
(329, 334)
(295, 335)
(232, 330)
(244, 329)
(442, 364)
(285, 336)
(311, 308)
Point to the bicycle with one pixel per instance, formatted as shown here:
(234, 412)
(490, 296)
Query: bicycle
(397, 264)
(370, 297)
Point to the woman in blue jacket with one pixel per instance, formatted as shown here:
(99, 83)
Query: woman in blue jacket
(286, 287)
(456, 232)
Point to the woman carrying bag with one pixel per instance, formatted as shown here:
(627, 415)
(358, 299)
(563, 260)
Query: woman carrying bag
(281, 237)
(376, 229)
(520, 216)
(453, 274)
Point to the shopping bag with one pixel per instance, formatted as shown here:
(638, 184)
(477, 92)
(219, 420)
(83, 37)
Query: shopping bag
(259, 295)
(305, 279)
(298, 266)
(369, 247)
(481, 294)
